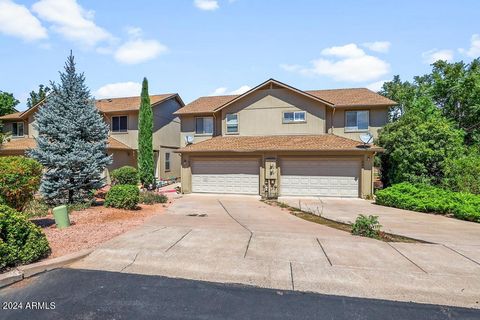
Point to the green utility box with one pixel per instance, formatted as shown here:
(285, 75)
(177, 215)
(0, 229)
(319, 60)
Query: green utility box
(61, 217)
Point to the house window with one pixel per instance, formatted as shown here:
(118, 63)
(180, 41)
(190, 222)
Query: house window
(119, 123)
(296, 116)
(17, 129)
(204, 125)
(167, 161)
(232, 123)
(356, 120)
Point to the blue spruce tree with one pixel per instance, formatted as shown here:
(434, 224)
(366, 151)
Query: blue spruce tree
(72, 140)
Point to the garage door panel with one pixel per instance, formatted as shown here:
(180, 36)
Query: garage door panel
(320, 178)
(225, 176)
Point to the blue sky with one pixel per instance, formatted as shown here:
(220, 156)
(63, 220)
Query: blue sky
(202, 47)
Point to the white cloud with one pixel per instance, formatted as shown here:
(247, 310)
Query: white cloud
(119, 89)
(378, 46)
(224, 91)
(474, 50)
(138, 51)
(348, 63)
(434, 55)
(219, 91)
(16, 20)
(72, 21)
(207, 5)
(377, 85)
(241, 90)
(134, 32)
(347, 51)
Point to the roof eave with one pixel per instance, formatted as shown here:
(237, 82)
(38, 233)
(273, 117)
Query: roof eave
(359, 150)
(365, 105)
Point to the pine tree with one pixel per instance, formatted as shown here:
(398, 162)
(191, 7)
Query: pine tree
(146, 171)
(72, 140)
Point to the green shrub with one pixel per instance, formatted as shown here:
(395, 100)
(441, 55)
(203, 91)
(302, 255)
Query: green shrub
(123, 196)
(36, 208)
(125, 175)
(150, 197)
(21, 241)
(418, 145)
(426, 198)
(19, 180)
(366, 226)
(463, 174)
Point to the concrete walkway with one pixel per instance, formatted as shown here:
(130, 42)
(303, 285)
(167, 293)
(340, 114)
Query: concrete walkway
(238, 239)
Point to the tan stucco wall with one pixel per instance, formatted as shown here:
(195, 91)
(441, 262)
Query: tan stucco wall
(378, 117)
(166, 137)
(166, 126)
(130, 138)
(28, 130)
(366, 174)
(174, 164)
(188, 129)
(261, 114)
(32, 132)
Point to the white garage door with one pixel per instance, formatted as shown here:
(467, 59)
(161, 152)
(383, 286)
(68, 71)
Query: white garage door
(225, 176)
(329, 178)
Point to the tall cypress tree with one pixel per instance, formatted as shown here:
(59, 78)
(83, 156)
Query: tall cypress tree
(72, 140)
(146, 170)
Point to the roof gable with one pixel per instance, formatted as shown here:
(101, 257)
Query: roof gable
(332, 97)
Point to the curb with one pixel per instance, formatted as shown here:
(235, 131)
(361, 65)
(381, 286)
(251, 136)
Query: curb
(30, 270)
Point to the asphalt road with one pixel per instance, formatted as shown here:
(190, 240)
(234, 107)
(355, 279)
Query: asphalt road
(83, 294)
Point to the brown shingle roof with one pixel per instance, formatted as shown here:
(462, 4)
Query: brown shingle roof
(12, 116)
(18, 144)
(325, 142)
(30, 143)
(337, 97)
(114, 144)
(128, 103)
(352, 97)
(206, 104)
(105, 105)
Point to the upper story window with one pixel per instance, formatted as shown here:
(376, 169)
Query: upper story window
(356, 120)
(119, 123)
(18, 129)
(204, 125)
(232, 123)
(294, 116)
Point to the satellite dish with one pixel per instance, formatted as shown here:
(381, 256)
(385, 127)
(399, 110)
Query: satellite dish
(366, 137)
(189, 139)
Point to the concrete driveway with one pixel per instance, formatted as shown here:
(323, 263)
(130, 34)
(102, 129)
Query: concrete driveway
(238, 239)
(461, 235)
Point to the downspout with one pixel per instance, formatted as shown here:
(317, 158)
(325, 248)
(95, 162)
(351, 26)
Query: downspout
(214, 124)
(331, 120)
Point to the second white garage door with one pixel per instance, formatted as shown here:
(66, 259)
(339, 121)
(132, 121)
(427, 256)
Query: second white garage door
(225, 176)
(329, 178)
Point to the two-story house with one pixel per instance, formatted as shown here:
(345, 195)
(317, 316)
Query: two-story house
(121, 115)
(276, 140)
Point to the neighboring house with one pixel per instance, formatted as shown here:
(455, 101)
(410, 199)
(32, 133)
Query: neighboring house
(277, 140)
(121, 114)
